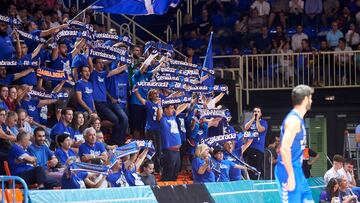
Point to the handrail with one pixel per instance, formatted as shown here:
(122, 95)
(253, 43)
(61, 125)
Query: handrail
(14, 178)
(148, 32)
(178, 21)
(168, 34)
(124, 27)
(189, 4)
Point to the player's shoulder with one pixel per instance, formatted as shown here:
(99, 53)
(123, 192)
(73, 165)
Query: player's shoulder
(292, 121)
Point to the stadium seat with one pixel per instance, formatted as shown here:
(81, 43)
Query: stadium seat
(17, 185)
(17, 193)
(231, 20)
(217, 21)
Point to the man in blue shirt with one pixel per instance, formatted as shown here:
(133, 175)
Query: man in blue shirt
(84, 92)
(292, 184)
(6, 46)
(171, 140)
(97, 78)
(63, 126)
(44, 157)
(25, 166)
(6, 79)
(117, 93)
(92, 149)
(256, 128)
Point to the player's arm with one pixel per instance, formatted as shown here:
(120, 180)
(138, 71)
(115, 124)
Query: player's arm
(292, 126)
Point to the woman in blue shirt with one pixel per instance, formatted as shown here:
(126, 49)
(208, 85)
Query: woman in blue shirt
(64, 152)
(77, 126)
(222, 167)
(201, 169)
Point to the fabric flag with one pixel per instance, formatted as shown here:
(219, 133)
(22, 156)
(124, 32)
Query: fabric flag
(208, 63)
(134, 7)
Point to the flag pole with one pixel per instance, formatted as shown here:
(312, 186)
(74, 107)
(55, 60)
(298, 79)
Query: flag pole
(82, 12)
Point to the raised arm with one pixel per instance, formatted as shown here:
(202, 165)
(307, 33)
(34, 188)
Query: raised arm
(23, 73)
(141, 158)
(44, 102)
(117, 70)
(53, 30)
(139, 97)
(36, 51)
(181, 108)
(77, 47)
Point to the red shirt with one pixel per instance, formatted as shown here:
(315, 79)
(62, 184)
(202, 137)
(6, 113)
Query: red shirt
(11, 105)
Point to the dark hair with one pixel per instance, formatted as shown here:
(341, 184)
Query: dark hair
(299, 93)
(343, 40)
(82, 67)
(330, 186)
(39, 129)
(145, 164)
(19, 111)
(20, 136)
(11, 114)
(349, 161)
(74, 121)
(2, 109)
(64, 110)
(217, 150)
(338, 158)
(61, 138)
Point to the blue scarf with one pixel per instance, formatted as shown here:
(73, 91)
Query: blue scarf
(211, 141)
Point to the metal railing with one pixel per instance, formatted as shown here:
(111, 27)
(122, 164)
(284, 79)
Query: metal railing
(178, 21)
(168, 34)
(13, 179)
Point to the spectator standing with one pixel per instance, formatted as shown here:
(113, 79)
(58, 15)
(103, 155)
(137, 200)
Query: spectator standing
(63, 126)
(255, 153)
(334, 35)
(352, 36)
(84, 93)
(7, 49)
(278, 10)
(331, 8)
(307, 162)
(263, 8)
(313, 10)
(296, 12)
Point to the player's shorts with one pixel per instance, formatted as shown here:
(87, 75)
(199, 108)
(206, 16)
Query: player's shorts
(301, 193)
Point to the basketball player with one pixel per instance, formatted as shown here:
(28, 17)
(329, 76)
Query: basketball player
(292, 184)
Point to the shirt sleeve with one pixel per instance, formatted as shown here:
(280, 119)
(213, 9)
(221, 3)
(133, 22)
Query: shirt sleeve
(102, 147)
(357, 130)
(312, 153)
(79, 87)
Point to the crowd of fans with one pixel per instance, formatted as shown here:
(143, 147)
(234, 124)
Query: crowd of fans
(48, 126)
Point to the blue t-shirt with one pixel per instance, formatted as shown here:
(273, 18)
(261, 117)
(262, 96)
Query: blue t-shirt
(86, 149)
(32, 44)
(76, 181)
(298, 145)
(31, 107)
(97, 80)
(151, 113)
(224, 167)
(259, 143)
(16, 152)
(42, 154)
(180, 119)
(117, 85)
(204, 178)
(199, 132)
(234, 173)
(29, 79)
(86, 90)
(7, 49)
(117, 179)
(170, 135)
(219, 130)
(138, 77)
(63, 156)
(79, 61)
(64, 64)
(8, 79)
(4, 106)
(60, 129)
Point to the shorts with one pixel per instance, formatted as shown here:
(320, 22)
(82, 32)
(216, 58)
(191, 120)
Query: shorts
(301, 193)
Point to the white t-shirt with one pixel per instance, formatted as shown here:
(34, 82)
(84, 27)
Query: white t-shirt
(355, 38)
(262, 8)
(332, 173)
(296, 40)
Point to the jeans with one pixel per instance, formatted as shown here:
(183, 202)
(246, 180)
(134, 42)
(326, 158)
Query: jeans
(123, 120)
(106, 113)
(155, 136)
(37, 175)
(171, 163)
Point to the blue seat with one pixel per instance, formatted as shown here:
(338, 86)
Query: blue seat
(218, 21)
(310, 32)
(246, 51)
(231, 20)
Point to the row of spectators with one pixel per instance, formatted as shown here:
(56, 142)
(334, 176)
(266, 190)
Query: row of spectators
(95, 109)
(245, 22)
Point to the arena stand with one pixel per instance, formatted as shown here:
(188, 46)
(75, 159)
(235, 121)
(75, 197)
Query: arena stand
(245, 67)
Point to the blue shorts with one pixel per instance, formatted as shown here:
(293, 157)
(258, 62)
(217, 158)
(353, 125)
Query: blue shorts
(301, 193)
